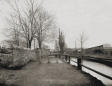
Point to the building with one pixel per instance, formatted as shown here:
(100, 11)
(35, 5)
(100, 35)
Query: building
(95, 50)
(108, 51)
(103, 50)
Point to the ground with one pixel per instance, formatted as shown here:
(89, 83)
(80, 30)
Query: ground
(56, 73)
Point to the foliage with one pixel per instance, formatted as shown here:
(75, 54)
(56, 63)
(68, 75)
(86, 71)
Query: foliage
(18, 58)
(61, 42)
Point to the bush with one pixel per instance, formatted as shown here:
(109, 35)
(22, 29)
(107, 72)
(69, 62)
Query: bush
(18, 58)
(5, 60)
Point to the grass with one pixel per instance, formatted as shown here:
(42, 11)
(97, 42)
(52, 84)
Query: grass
(52, 74)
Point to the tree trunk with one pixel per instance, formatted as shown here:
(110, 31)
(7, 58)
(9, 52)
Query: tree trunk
(30, 44)
(27, 44)
(40, 44)
(40, 54)
(40, 49)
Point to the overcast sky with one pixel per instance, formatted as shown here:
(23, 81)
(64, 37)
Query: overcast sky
(93, 17)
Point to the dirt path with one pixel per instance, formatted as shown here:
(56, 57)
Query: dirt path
(52, 74)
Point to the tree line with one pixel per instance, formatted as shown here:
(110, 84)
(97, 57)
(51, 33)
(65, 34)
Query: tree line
(31, 21)
(28, 22)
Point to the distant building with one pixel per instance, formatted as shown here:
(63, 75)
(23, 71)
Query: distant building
(70, 51)
(108, 51)
(95, 50)
(99, 50)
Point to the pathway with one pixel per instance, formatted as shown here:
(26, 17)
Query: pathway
(52, 74)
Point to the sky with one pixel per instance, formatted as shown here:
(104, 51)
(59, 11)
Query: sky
(93, 17)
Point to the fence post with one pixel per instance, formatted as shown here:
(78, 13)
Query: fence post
(69, 59)
(48, 59)
(79, 63)
(56, 56)
(66, 58)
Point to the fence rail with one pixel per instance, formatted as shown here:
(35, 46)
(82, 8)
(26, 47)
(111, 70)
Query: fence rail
(79, 65)
(104, 75)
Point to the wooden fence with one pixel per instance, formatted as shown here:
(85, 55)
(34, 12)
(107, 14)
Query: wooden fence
(80, 65)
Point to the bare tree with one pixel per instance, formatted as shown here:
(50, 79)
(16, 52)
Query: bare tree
(61, 42)
(82, 40)
(25, 19)
(14, 31)
(33, 21)
(45, 26)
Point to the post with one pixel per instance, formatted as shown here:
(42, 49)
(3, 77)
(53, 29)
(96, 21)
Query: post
(66, 58)
(34, 43)
(48, 60)
(69, 59)
(56, 56)
(40, 56)
(79, 63)
(13, 49)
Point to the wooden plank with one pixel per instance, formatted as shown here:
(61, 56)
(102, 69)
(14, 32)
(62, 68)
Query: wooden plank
(98, 72)
(106, 76)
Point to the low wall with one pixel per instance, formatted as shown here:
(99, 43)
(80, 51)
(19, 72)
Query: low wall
(18, 58)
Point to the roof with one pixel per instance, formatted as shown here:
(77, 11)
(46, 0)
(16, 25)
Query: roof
(108, 48)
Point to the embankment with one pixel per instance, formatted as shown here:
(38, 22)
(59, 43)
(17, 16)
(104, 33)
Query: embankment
(106, 61)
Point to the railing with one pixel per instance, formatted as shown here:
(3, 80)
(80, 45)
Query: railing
(80, 65)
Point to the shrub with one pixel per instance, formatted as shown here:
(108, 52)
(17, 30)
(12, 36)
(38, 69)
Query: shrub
(18, 58)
